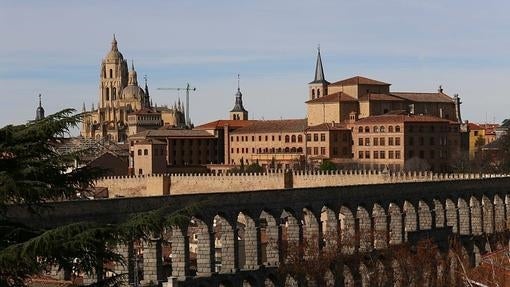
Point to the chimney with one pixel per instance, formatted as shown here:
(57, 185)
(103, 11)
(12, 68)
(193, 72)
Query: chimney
(411, 109)
(440, 89)
(457, 101)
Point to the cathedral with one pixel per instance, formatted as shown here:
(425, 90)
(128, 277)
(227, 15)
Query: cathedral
(124, 107)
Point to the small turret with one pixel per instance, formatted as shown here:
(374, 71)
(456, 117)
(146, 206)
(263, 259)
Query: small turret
(39, 113)
(238, 112)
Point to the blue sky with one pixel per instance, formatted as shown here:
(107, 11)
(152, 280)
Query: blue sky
(56, 47)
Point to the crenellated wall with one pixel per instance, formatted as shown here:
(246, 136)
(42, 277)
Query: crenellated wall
(176, 184)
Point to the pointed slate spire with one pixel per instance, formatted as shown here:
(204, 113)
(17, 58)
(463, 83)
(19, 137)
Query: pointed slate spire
(39, 113)
(238, 106)
(319, 71)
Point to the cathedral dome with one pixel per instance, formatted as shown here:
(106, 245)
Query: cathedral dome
(133, 92)
(114, 53)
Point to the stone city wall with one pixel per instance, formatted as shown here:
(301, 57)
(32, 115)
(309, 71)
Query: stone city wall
(175, 184)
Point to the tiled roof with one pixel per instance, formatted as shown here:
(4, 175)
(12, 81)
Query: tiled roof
(273, 126)
(424, 97)
(222, 123)
(358, 80)
(400, 119)
(473, 126)
(380, 97)
(172, 133)
(327, 127)
(333, 98)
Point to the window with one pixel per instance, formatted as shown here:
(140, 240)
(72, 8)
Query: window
(411, 154)
(272, 138)
(360, 141)
(367, 154)
(287, 138)
(397, 141)
(376, 154)
(237, 150)
(391, 154)
(308, 150)
(140, 171)
(360, 154)
(367, 129)
(422, 154)
(382, 141)
(139, 152)
(397, 129)
(367, 141)
(111, 73)
(382, 154)
(266, 138)
(432, 154)
(145, 152)
(232, 150)
(231, 138)
(382, 129)
(360, 129)
(432, 141)
(390, 129)
(376, 141)
(422, 141)
(376, 129)
(323, 150)
(313, 93)
(107, 93)
(411, 141)
(315, 137)
(293, 138)
(318, 93)
(390, 141)
(300, 138)
(279, 138)
(315, 150)
(308, 137)
(397, 154)
(323, 137)
(260, 138)
(252, 138)
(335, 150)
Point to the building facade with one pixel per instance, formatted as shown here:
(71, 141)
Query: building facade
(120, 96)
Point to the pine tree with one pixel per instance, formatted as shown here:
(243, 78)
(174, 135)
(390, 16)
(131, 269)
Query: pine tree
(33, 173)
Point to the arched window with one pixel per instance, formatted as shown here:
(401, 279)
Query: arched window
(287, 138)
(107, 94)
(293, 150)
(145, 152)
(360, 129)
(397, 129)
(382, 129)
(286, 149)
(114, 93)
(390, 129)
(318, 93)
(111, 73)
(376, 129)
(313, 93)
(367, 129)
(139, 152)
(300, 138)
(293, 138)
(299, 149)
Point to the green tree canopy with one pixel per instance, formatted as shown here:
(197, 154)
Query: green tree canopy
(33, 173)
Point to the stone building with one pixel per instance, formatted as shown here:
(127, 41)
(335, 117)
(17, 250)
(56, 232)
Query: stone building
(333, 102)
(119, 97)
(409, 142)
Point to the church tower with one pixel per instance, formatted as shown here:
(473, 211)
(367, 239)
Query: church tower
(39, 113)
(114, 77)
(238, 112)
(319, 86)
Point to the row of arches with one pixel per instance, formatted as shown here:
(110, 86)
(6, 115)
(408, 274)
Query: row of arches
(225, 243)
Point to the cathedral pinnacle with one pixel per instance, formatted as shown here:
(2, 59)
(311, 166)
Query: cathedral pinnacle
(114, 43)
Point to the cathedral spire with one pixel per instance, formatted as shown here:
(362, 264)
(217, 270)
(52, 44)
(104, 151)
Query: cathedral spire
(114, 43)
(319, 70)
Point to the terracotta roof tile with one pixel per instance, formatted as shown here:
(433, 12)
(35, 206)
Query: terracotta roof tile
(380, 97)
(271, 126)
(222, 123)
(182, 133)
(424, 97)
(473, 126)
(333, 98)
(358, 80)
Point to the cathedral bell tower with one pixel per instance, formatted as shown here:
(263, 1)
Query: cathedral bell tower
(238, 112)
(319, 86)
(114, 77)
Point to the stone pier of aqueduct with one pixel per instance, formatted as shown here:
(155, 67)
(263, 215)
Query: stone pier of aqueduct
(254, 227)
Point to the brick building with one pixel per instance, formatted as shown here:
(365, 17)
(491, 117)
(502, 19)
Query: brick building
(410, 142)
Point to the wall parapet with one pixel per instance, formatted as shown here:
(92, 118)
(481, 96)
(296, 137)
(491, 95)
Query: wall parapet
(173, 184)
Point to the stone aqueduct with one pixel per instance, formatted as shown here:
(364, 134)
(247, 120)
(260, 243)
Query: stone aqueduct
(366, 218)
